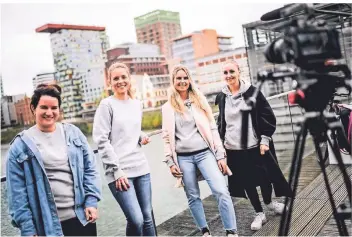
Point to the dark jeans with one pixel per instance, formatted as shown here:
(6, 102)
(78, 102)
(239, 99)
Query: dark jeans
(73, 227)
(136, 204)
(249, 171)
(254, 197)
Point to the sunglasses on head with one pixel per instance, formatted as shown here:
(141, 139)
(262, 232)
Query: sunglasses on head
(229, 72)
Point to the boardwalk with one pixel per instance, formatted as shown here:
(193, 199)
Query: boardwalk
(311, 214)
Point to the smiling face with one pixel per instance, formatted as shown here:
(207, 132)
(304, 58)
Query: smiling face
(47, 112)
(231, 74)
(120, 81)
(181, 81)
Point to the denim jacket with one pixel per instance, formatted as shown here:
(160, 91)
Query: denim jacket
(31, 201)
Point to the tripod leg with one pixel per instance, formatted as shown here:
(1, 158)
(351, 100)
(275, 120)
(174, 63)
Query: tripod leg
(340, 224)
(293, 179)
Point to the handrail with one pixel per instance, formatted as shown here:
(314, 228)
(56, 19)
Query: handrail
(156, 132)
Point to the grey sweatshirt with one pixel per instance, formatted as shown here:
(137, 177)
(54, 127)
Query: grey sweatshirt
(116, 131)
(52, 147)
(233, 117)
(188, 138)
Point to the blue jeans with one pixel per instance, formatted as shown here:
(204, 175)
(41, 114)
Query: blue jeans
(136, 204)
(206, 163)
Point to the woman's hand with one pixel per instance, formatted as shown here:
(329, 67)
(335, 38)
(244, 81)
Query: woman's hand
(263, 149)
(175, 171)
(145, 140)
(222, 166)
(122, 184)
(91, 214)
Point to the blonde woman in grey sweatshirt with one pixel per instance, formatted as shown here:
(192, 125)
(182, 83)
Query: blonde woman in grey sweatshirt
(117, 132)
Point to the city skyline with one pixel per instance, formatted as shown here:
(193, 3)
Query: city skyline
(26, 53)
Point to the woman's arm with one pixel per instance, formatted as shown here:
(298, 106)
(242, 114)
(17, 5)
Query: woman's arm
(166, 140)
(19, 209)
(266, 119)
(101, 131)
(91, 177)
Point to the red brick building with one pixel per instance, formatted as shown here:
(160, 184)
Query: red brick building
(140, 58)
(23, 112)
(158, 27)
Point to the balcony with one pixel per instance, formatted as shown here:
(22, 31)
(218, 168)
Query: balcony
(311, 214)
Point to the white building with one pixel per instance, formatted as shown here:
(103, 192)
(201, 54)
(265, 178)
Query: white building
(8, 109)
(150, 90)
(79, 54)
(43, 78)
(210, 74)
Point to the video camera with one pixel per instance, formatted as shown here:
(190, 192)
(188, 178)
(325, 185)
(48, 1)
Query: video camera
(313, 46)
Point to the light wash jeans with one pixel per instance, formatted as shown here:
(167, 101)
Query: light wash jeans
(207, 164)
(136, 204)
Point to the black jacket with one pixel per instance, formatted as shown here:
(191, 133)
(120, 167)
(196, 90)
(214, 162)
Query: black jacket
(263, 118)
(264, 123)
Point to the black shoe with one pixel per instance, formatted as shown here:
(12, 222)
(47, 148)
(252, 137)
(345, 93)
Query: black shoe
(231, 233)
(206, 232)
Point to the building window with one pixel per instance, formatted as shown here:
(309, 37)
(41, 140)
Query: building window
(222, 59)
(207, 63)
(238, 56)
(215, 60)
(201, 64)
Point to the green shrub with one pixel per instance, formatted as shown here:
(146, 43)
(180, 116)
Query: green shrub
(8, 134)
(151, 120)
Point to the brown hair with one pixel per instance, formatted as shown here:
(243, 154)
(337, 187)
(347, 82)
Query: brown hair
(52, 90)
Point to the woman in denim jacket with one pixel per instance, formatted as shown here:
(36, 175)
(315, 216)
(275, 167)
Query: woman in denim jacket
(53, 185)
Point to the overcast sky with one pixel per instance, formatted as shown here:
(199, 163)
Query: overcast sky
(25, 53)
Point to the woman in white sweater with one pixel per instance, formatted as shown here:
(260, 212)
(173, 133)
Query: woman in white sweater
(117, 132)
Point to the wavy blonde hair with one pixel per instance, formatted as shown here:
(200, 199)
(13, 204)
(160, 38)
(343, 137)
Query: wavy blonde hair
(115, 65)
(194, 94)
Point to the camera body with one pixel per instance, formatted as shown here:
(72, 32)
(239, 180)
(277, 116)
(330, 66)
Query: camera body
(307, 44)
(314, 47)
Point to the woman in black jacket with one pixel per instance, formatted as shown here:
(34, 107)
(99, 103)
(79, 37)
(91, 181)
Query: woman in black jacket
(256, 165)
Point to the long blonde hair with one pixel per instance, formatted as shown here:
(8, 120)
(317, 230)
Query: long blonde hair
(194, 95)
(112, 67)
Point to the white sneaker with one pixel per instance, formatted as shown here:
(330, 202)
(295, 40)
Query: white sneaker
(277, 207)
(259, 220)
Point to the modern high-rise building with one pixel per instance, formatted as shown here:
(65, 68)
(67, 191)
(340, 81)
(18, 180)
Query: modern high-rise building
(209, 71)
(188, 48)
(79, 54)
(158, 27)
(44, 78)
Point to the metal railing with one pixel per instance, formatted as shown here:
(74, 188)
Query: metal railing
(286, 116)
(159, 131)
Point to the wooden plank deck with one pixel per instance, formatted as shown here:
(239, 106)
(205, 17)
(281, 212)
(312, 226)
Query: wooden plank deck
(311, 213)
